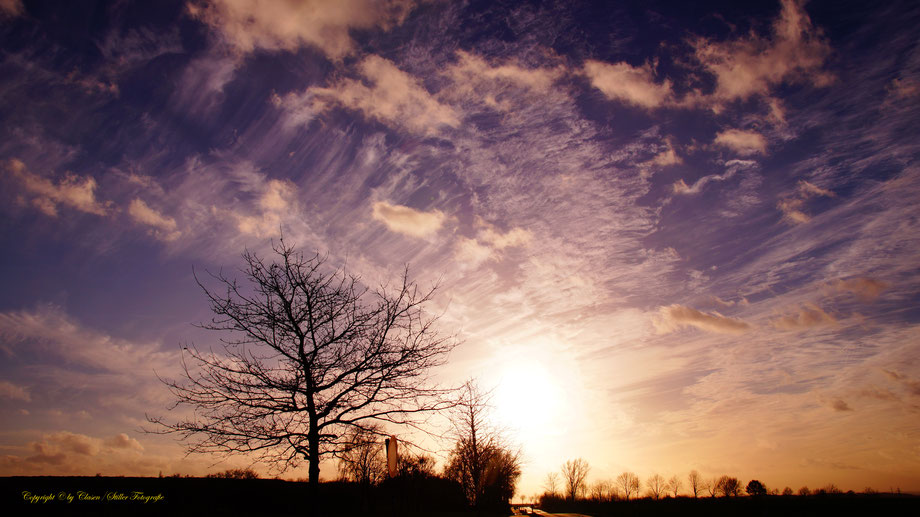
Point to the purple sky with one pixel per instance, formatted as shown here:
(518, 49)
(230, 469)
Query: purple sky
(671, 237)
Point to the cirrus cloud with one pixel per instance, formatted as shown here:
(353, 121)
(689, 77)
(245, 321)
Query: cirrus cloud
(72, 191)
(290, 24)
(406, 220)
(162, 227)
(395, 97)
(627, 83)
(805, 317)
(745, 143)
(673, 317)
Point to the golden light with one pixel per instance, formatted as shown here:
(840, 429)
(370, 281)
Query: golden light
(529, 400)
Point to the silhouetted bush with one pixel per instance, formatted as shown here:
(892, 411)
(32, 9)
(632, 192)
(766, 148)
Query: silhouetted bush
(756, 488)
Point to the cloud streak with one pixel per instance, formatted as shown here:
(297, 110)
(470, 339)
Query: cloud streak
(406, 220)
(674, 317)
(71, 191)
(394, 98)
(629, 84)
(290, 24)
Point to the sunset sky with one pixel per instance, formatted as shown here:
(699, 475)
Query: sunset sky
(671, 235)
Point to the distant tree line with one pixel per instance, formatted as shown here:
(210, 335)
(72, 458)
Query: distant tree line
(570, 484)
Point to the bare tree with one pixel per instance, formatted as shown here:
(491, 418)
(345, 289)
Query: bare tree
(728, 486)
(310, 355)
(575, 473)
(481, 461)
(363, 459)
(551, 485)
(696, 483)
(628, 482)
(656, 485)
(674, 485)
(712, 486)
(601, 490)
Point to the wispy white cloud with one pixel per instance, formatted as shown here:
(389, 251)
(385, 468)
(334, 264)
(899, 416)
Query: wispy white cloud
(673, 317)
(290, 24)
(475, 79)
(162, 227)
(666, 157)
(47, 329)
(733, 166)
(71, 191)
(753, 65)
(394, 97)
(863, 287)
(408, 221)
(489, 243)
(473, 253)
(12, 391)
(743, 142)
(791, 204)
(804, 317)
(272, 207)
(500, 240)
(629, 84)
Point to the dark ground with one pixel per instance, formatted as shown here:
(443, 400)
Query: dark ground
(179, 497)
(200, 497)
(780, 506)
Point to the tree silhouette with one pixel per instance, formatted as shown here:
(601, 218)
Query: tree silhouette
(481, 462)
(697, 485)
(235, 474)
(712, 486)
(601, 490)
(311, 355)
(755, 488)
(575, 473)
(551, 485)
(674, 485)
(728, 486)
(628, 482)
(363, 459)
(656, 485)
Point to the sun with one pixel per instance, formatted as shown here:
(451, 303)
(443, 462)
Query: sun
(528, 396)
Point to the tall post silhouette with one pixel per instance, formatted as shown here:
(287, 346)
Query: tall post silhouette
(392, 456)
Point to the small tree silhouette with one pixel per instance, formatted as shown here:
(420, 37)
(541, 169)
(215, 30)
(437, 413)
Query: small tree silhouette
(551, 485)
(575, 473)
(696, 483)
(656, 485)
(728, 486)
(362, 459)
(481, 461)
(755, 488)
(628, 482)
(674, 485)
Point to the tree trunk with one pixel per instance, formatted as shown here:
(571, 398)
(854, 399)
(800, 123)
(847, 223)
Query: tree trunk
(313, 439)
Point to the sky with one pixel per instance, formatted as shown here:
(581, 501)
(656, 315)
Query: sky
(669, 235)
